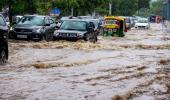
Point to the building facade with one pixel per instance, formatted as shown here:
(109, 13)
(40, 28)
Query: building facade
(166, 10)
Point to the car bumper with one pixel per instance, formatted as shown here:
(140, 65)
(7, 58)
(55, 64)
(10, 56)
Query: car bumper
(30, 35)
(141, 26)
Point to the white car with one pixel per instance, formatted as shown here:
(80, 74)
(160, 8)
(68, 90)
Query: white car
(142, 23)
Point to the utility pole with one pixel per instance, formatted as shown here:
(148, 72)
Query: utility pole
(72, 11)
(10, 10)
(138, 7)
(110, 8)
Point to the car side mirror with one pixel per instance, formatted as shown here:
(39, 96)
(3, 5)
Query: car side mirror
(56, 22)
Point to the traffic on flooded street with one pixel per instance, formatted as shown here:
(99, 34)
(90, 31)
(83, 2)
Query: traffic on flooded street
(108, 55)
(136, 67)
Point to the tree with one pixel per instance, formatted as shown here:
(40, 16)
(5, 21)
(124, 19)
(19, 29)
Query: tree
(157, 7)
(143, 4)
(128, 7)
(116, 7)
(81, 7)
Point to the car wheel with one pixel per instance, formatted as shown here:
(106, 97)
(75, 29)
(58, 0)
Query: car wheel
(40, 38)
(11, 35)
(3, 56)
(56, 39)
(48, 37)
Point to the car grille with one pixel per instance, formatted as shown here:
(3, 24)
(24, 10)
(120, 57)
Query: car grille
(141, 26)
(68, 34)
(22, 30)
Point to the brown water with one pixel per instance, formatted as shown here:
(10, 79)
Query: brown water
(136, 67)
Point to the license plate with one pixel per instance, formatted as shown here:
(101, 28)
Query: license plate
(64, 35)
(72, 35)
(22, 36)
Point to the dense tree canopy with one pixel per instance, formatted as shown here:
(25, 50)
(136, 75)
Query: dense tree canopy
(81, 7)
(157, 7)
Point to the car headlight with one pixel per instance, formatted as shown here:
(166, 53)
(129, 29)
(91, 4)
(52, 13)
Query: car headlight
(11, 29)
(56, 33)
(38, 30)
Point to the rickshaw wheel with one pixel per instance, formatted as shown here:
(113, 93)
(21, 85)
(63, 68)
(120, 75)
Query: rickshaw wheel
(121, 35)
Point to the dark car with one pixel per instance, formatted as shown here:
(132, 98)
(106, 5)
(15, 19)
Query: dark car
(152, 18)
(76, 29)
(34, 27)
(3, 40)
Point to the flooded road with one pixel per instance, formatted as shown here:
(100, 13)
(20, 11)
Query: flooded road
(136, 67)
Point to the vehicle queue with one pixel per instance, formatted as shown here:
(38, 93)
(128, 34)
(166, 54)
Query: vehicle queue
(88, 28)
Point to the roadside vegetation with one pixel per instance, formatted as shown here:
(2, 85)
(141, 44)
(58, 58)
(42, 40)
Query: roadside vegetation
(80, 7)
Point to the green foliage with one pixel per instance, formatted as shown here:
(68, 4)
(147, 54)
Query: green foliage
(81, 7)
(101, 11)
(144, 12)
(128, 7)
(157, 7)
(143, 4)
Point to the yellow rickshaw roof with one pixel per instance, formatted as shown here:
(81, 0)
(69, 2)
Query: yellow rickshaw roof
(114, 17)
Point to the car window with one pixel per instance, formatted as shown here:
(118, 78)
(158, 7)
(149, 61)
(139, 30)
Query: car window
(51, 21)
(32, 20)
(2, 22)
(74, 25)
(127, 20)
(47, 21)
(143, 21)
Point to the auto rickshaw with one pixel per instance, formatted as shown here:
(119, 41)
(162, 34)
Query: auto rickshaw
(114, 25)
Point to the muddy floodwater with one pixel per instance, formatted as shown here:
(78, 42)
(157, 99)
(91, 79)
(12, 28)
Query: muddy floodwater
(136, 67)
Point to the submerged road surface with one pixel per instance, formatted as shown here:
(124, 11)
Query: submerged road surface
(136, 67)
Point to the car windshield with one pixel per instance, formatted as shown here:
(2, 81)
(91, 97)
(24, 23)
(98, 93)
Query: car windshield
(2, 22)
(32, 20)
(143, 21)
(73, 25)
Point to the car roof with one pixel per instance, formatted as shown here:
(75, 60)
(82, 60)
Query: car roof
(84, 20)
(37, 15)
(143, 19)
(92, 19)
